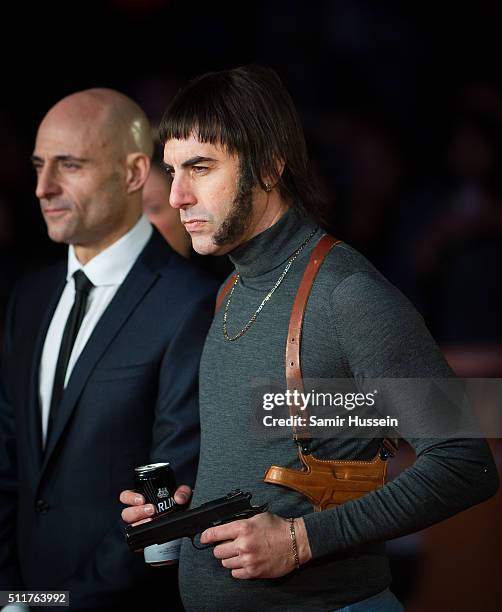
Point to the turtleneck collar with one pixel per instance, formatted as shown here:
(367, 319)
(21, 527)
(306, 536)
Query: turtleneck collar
(273, 247)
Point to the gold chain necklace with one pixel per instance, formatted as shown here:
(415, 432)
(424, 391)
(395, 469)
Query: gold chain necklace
(265, 299)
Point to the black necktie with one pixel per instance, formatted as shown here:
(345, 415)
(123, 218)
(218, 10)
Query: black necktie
(82, 288)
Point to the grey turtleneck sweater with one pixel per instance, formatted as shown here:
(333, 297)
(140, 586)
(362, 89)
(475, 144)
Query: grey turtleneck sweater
(356, 325)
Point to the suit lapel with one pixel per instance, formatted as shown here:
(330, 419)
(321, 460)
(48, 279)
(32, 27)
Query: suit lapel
(54, 286)
(125, 301)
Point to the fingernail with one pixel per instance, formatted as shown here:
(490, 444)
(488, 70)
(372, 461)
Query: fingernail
(203, 537)
(149, 510)
(138, 499)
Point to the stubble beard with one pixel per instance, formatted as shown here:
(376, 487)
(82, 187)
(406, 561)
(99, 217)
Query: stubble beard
(239, 217)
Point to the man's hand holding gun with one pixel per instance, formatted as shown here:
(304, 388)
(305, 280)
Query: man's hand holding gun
(261, 546)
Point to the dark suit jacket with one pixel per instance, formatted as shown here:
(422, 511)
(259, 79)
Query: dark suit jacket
(131, 399)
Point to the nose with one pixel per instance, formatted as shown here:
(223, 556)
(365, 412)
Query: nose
(47, 185)
(182, 194)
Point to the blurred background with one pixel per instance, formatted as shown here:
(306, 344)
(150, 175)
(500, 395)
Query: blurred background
(402, 107)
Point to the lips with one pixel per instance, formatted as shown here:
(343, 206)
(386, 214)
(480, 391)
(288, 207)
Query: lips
(194, 224)
(55, 211)
(55, 206)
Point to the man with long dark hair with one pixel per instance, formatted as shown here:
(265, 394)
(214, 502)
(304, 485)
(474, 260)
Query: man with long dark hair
(241, 179)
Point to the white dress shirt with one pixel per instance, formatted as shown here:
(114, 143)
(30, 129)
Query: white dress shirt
(106, 271)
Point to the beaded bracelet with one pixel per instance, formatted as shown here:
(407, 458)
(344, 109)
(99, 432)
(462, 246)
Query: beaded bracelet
(294, 546)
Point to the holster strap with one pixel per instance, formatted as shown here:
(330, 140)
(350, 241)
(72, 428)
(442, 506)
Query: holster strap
(294, 377)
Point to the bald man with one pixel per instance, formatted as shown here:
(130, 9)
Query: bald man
(87, 397)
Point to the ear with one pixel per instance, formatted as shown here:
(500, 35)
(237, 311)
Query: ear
(138, 168)
(270, 182)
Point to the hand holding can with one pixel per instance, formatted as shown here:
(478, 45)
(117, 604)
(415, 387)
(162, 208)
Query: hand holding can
(157, 483)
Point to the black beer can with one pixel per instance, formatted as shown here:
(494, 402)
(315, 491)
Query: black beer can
(157, 483)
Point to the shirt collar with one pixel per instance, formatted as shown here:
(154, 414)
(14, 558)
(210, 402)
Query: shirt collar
(111, 266)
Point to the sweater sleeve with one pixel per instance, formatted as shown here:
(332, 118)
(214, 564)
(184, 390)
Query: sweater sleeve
(381, 335)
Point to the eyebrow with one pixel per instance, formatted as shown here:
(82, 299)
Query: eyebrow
(189, 162)
(36, 159)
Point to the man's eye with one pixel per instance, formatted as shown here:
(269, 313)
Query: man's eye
(71, 165)
(199, 169)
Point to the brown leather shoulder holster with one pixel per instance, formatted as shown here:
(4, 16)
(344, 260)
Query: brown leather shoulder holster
(325, 482)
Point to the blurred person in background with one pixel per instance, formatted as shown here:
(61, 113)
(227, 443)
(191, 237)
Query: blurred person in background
(447, 250)
(156, 207)
(458, 255)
